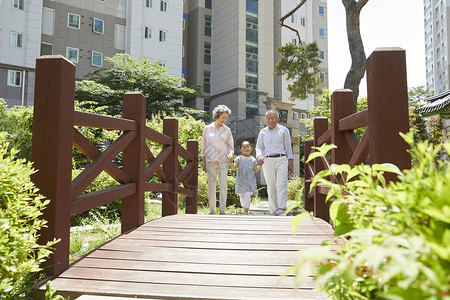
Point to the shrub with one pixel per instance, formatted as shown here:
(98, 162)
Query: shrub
(20, 208)
(295, 186)
(398, 234)
(17, 121)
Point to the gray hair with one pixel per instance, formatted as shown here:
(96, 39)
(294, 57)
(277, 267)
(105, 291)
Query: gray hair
(220, 109)
(272, 111)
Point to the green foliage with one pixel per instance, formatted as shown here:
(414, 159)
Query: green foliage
(418, 95)
(295, 186)
(324, 110)
(398, 234)
(299, 63)
(17, 121)
(20, 209)
(163, 91)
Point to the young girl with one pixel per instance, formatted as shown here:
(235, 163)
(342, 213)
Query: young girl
(245, 178)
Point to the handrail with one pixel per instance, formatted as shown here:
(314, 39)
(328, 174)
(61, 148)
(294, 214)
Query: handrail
(87, 119)
(354, 121)
(386, 116)
(54, 137)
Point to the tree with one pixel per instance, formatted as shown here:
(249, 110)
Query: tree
(300, 65)
(163, 92)
(355, 44)
(358, 67)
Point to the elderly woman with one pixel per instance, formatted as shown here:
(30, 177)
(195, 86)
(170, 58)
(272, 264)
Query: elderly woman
(217, 151)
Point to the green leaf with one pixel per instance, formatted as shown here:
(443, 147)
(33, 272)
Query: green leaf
(297, 220)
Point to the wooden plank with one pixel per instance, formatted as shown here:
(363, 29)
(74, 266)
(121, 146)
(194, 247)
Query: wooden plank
(325, 138)
(86, 119)
(101, 197)
(135, 289)
(125, 263)
(199, 257)
(182, 278)
(85, 178)
(354, 121)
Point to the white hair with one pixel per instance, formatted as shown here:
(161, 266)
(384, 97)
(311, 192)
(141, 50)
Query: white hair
(220, 109)
(272, 111)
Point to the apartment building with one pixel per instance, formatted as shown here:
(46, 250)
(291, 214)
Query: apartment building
(436, 44)
(85, 32)
(231, 52)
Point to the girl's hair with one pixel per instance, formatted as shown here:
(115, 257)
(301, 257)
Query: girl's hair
(245, 142)
(220, 109)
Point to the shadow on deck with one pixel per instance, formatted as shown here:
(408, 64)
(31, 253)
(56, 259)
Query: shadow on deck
(198, 257)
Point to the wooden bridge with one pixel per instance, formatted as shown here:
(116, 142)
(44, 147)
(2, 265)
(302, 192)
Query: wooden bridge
(185, 256)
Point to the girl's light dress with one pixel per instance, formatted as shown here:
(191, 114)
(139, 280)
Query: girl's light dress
(245, 177)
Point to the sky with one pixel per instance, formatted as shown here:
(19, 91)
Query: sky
(383, 23)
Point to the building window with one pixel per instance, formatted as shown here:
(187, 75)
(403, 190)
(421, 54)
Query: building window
(208, 22)
(294, 41)
(321, 10)
(97, 59)
(97, 26)
(73, 21)
(72, 54)
(322, 32)
(206, 82)
(14, 78)
(46, 49)
(16, 39)
(283, 114)
(48, 21)
(208, 4)
(302, 21)
(18, 4)
(162, 36)
(322, 76)
(182, 51)
(119, 37)
(207, 55)
(322, 54)
(148, 3)
(163, 5)
(293, 18)
(148, 32)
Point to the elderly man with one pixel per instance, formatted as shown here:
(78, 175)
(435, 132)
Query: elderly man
(274, 150)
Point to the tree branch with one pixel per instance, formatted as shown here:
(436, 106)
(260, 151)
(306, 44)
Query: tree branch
(290, 13)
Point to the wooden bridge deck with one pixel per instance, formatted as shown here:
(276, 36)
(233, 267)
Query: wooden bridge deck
(198, 257)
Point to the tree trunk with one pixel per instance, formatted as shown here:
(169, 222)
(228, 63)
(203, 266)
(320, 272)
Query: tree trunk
(358, 68)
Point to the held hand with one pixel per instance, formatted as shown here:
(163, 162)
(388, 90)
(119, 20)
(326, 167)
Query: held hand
(260, 160)
(290, 168)
(230, 158)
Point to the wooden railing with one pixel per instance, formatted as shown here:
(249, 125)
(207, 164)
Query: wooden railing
(54, 137)
(385, 118)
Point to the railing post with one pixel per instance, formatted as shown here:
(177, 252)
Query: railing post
(52, 152)
(341, 106)
(309, 203)
(321, 208)
(133, 162)
(170, 168)
(387, 95)
(192, 182)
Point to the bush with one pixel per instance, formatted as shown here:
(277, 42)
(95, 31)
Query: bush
(295, 186)
(17, 121)
(20, 208)
(398, 234)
